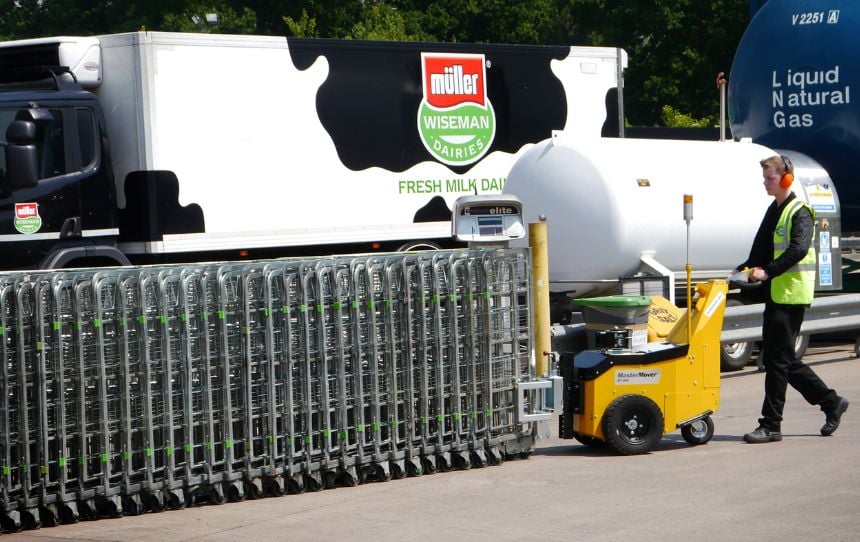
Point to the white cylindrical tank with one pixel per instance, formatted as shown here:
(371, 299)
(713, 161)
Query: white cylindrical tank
(609, 201)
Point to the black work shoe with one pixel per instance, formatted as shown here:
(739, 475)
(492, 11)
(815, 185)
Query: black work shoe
(833, 418)
(762, 434)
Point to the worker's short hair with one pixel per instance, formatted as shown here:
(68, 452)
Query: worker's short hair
(780, 164)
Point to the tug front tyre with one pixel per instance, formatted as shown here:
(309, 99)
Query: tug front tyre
(633, 424)
(698, 432)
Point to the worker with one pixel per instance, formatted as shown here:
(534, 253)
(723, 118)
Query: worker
(782, 259)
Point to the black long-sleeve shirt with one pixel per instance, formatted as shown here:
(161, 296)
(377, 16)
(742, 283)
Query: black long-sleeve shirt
(800, 239)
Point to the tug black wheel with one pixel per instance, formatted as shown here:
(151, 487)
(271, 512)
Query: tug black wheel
(698, 432)
(633, 424)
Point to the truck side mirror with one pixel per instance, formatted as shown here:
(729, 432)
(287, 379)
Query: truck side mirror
(22, 162)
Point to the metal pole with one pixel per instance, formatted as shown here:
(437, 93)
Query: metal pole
(721, 85)
(619, 66)
(540, 285)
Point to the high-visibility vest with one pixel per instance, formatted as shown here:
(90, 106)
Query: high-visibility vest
(797, 285)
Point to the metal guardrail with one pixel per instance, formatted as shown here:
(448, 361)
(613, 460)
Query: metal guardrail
(825, 315)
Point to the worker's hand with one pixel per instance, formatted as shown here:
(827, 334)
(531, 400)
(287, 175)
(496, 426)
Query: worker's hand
(758, 275)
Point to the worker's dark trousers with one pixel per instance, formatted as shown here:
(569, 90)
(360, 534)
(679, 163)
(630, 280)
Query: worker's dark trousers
(779, 332)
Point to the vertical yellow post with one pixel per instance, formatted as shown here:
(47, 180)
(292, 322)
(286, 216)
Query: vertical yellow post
(688, 217)
(540, 289)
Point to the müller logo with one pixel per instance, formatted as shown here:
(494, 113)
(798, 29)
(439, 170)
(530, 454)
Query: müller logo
(27, 219)
(456, 121)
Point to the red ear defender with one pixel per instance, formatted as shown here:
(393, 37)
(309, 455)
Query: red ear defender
(787, 177)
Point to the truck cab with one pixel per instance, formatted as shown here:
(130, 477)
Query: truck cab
(57, 200)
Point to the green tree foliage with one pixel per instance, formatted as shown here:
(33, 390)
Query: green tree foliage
(675, 47)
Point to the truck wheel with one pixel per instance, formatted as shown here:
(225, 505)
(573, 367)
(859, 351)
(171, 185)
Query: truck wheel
(591, 442)
(633, 424)
(698, 432)
(800, 346)
(735, 356)
(412, 246)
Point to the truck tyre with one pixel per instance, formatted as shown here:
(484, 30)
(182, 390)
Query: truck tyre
(633, 424)
(801, 344)
(735, 356)
(412, 246)
(699, 431)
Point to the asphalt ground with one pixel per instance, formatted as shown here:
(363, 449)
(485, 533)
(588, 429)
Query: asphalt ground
(806, 487)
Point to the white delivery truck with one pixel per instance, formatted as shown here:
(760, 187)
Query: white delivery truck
(155, 147)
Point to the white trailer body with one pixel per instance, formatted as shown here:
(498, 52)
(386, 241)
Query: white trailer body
(238, 124)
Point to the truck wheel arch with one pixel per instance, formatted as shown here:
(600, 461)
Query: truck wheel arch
(61, 257)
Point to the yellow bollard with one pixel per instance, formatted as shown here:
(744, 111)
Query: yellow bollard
(540, 282)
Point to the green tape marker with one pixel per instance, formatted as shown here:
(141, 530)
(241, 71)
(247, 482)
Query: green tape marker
(435, 298)
(169, 450)
(486, 296)
(285, 310)
(40, 345)
(338, 305)
(43, 469)
(359, 428)
(308, 439)
(105, 458)
(326, 433)
(271, 439)
(97, 323)
(440, 418)
(303, 308)
(162, 319)
(376, 427)
(221, 315)
(62, 462)
(228, 443)
(141, 319)
(184, 317)
(122, 322)
(5, 470)
(452, 298)
(320, 308)
(125, 456)
(370, 304)
(56, 327)
(425, 420)
(457, 416)
(267, 312)
(188, 448)
(343, 435)
(354, 304)
(209, 445)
